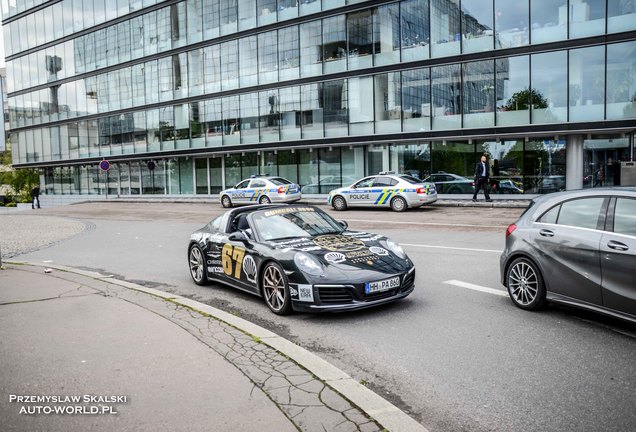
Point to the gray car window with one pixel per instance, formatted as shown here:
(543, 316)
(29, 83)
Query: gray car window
(625, 216)
(582, 213)
(550, 216)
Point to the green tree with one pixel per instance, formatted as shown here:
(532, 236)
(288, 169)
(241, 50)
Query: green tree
(524, 98)
(21, 181)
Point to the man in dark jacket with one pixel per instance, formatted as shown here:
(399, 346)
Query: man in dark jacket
(481, 178)
(35, 196)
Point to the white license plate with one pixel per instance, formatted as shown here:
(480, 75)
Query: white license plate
(383, 285)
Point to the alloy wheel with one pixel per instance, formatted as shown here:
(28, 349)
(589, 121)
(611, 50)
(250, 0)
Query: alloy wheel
(523, 283)
(274, 288)
(196, 265)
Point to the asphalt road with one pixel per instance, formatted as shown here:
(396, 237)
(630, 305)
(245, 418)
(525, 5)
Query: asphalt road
(454, 355)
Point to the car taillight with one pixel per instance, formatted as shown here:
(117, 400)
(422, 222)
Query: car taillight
(281, 190)
(421, 191)
(510, 229)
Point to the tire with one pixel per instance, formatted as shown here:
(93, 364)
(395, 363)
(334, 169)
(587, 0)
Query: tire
(226, 201)
(525, 284)
(276, 289)
(265, 200)
(196, 261)
(339, 203)
(399, 204)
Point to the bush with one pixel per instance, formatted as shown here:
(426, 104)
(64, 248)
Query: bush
(11, 204)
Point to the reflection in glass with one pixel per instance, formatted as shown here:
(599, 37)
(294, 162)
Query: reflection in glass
(587, 84)
(621, 15)
(269, 111)
(415, 29)
(621, 80)
(266, 10)
(544, 166)
(311, 48)
(249, 118)
(211, 19)
(513, 90)
(445, 27)
(446, 97)
(229, 16)
(201, 176)
(416, 100)
(267, 58)
(549, 20)
(288, 53)
(360, 38)
(195, 72)
(587, 18)
(549, 87)
(511, 23)
(216, 175)
(152, 128)
(194, 20)
(229, 65)
(388, 103)
(197, 135)
(479, 93)
(360, 105)
(334, 99)
(213, 126)
(182, 126)
(453, 166)
(231, 120)
(307, 167)
(166, 127)
(290, 112)
(312, 112)
(212, 68)
(387, 34)
(334, 44)
(477, 26)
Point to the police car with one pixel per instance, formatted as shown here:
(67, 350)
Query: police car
(387, 189)
(261, 189)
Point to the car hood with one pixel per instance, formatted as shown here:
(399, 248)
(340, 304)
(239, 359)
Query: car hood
(349, 251)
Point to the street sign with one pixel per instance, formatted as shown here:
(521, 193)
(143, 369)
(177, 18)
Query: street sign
(104, 165)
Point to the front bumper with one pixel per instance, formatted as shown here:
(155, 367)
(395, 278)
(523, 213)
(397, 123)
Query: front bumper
(349, 297)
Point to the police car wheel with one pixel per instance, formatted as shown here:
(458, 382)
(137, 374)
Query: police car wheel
(398, 204)
(339, 203)
(276, 289)
(226, 201)
(265, 200)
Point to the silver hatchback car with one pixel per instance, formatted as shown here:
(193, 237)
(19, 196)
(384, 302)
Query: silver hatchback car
(576, 248)
(387, 189)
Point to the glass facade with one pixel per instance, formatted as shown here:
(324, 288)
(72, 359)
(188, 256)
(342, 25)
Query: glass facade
(178, 84)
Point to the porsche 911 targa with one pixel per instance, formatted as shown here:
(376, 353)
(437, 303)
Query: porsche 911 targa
(298, 258)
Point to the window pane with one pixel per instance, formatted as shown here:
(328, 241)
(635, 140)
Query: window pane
(549, 92)
(269, 115)
(416, 100)
(581, 213)
(446, 94)
(229, 65)
(267, 58)
(479, 92)
(229, 16)
(334, 44)
(621, 15)
(312, 112)
(266, 10)
(388, 103)
(445, 27)
(361, 105)
(211, 19)
(587, 18)
(544, 166)
(334, 94)
(289, 103)
(415, 29)
(625, 216)
(360, 37)
(477, 26)
(621, 81)
(512, 90)
(386, 35)
(549, 20)
(249, 118)
(511, 23)
(311, 48)
(288, 53)
(587, 84)
(231, 121)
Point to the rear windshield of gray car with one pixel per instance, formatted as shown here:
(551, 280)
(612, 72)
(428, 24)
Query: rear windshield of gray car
(279, 181)
(411, 180)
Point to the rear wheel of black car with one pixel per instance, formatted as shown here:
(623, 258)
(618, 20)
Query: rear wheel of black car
(276, 289)
(525, 284)
(264, 200)
(196, 260)
(398, 204)
(226, 201)
(339, 203)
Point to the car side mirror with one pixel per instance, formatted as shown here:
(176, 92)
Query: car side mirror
(238, 237)
(343, 224)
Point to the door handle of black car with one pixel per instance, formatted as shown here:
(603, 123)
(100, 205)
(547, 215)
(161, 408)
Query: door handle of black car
(546, 233)
(617, 245)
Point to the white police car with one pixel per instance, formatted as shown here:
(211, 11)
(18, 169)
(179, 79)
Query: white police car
(387, 189)
(261, 189)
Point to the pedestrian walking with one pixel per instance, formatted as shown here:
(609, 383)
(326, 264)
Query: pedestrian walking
(481, 178)
(35, 196)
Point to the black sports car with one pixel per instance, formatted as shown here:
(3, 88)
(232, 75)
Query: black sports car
(299, 258)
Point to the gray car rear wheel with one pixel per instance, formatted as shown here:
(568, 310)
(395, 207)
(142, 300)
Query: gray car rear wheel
(339, 203)
(525, 284)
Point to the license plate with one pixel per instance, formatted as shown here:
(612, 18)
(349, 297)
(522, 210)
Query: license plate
(383, 285)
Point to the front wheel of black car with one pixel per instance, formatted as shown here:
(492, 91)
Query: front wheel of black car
(196, 260)
(525, 284)
(226, 201)
(398, 204)
(339, 203)
(276, 289)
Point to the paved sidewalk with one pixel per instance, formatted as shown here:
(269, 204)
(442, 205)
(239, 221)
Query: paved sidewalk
(68, 334)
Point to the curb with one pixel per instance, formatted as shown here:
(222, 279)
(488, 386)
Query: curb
(386, 414)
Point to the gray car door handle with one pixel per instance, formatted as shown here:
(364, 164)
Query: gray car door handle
(546, 233)
(617, 245)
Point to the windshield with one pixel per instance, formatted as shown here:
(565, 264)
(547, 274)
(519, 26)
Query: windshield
(279, 181)
(282, 223)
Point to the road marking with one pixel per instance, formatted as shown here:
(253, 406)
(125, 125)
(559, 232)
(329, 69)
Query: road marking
(429, 223)
(477, 287)
(450, 247)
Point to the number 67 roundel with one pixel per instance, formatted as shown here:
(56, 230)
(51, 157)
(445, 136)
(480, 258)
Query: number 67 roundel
(234, 260)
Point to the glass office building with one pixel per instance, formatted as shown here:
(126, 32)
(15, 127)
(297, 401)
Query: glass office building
(186, 97)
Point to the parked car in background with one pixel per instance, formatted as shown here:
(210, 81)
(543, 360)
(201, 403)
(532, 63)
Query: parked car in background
(447, 183)
(576, 248)
(261, 189)
(387, 189)
(506, 186)
(551, 184)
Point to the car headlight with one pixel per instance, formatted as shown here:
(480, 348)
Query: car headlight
(307, 264)
(395, 248)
